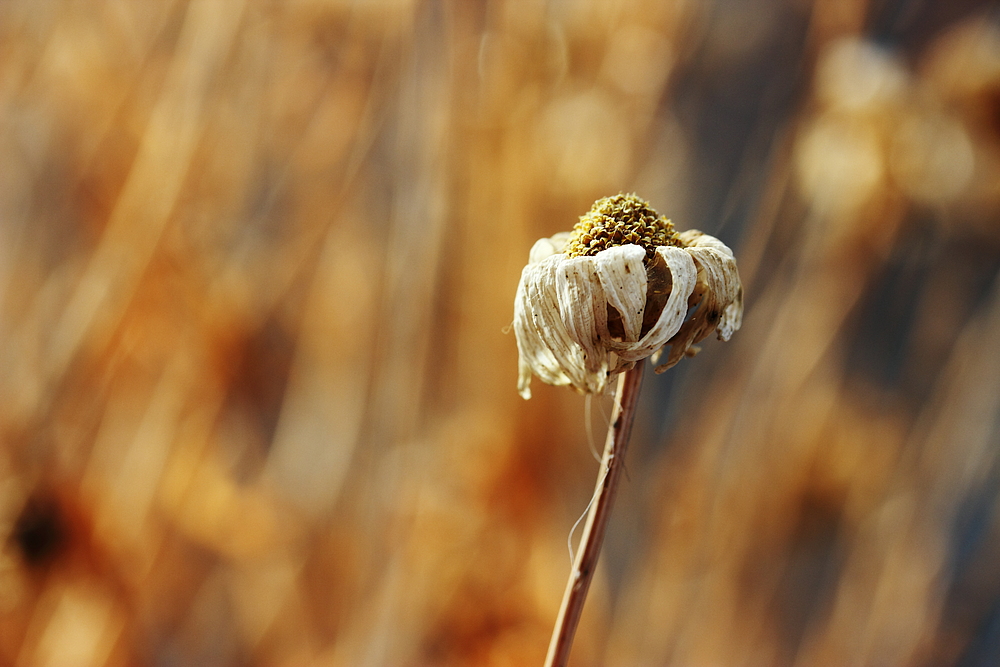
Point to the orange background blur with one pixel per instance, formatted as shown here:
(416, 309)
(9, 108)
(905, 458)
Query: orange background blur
(256, 402)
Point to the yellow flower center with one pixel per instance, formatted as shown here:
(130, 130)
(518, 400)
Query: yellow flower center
(620, 220)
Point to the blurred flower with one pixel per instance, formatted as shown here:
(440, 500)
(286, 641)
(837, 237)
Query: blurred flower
(615, 290)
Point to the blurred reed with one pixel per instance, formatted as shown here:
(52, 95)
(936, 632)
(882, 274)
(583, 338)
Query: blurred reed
(256, 403)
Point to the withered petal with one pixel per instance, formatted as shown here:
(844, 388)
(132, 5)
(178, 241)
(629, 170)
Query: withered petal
(583, 309)
(544, 344)
(720, 286)
(623, 276)
(561, 309)
(547, 247)
(682, 270)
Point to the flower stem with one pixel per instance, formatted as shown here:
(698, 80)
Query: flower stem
(626, 399)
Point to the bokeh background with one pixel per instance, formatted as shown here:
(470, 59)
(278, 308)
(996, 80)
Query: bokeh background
(257, 404)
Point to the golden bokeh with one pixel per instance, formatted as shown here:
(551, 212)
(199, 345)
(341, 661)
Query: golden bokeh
(256, 399)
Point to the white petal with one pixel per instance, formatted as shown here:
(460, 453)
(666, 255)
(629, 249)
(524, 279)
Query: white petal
(693, 238)
(684, 276)
(720, 272)
(584, 312)
(534, 354)
(545, 247)
(732, 291)
(623, 276)
(543, 343)
(720, 283)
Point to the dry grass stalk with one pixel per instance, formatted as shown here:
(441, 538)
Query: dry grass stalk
(585, 563)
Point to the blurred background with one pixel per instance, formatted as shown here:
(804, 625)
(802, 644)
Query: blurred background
(257, 405)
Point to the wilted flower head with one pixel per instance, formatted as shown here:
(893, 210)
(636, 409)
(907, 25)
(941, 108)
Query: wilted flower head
(615, 290)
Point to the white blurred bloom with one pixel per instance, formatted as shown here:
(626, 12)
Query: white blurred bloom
(615, 290)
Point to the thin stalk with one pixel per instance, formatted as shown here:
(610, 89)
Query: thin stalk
(626, 399)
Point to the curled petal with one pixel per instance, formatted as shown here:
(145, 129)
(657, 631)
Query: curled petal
(584, 312)
(544, 345)
(580, 320)
(547, 247)
(623, 277)
(732, 317)
(684, 276)
(719, 286)
(693, 238)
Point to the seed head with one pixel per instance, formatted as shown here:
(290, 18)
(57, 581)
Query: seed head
(620, 220)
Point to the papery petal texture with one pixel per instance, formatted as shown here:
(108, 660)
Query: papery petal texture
(544, 344)
(623, 276)
(547, 247)
(581, 319)
(682, 271)
(583, 309)
(718, 294)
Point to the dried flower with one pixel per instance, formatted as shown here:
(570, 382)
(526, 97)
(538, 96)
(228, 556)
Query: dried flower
(615, 290)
